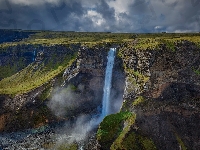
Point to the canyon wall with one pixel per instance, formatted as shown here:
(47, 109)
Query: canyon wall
(161, 86)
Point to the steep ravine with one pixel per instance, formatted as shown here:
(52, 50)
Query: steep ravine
(159, 88)
(84, 80)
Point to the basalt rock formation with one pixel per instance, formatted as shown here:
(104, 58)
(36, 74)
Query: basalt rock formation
(160, 89)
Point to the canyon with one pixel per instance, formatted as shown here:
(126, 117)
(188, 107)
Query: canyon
(154, 97)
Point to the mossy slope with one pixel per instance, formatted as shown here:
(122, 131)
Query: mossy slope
(116, 132)
(37, 73)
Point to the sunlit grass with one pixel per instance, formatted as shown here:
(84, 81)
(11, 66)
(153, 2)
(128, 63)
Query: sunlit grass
(144, 43)
(138, 100)
(90, 38)
(30, 78)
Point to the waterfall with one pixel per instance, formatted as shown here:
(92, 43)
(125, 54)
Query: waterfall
(107, 84)
(34, 55)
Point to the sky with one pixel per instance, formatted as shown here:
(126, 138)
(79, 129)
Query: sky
(139, 16)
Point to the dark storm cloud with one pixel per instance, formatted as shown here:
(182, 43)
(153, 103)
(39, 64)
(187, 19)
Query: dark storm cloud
(45, 16)
(107, 12)
(171, 15)
(102, 15)
(139, 6)
(143, 15)
(64, 15)
(185, 18)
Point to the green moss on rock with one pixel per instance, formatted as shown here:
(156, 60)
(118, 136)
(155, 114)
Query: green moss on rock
(117, 144)
(116, 132)
(135, 141)
(111, 127)
(138, 100)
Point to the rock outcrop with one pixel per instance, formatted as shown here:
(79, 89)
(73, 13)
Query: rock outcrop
(87, 74)
(25, 111)
(169, 110)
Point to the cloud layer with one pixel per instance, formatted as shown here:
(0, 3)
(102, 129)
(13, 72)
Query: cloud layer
(102, 15)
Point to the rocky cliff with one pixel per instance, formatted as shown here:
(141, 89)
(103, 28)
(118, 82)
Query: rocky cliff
(84, 77)
(27, 108)
(162, 89)
(158, 84)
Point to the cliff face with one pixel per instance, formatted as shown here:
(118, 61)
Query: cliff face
(87, 75)
(29, 109)
(162, 88)
(159, 87)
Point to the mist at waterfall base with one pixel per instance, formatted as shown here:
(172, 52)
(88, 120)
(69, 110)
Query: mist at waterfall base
(61, 100)
(79, 129)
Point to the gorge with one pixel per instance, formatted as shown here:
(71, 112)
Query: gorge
(151, 81)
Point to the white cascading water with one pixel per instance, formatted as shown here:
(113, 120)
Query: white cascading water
(107, 84)
(34, 55)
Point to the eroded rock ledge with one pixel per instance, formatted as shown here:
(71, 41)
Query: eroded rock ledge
(162, 88)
